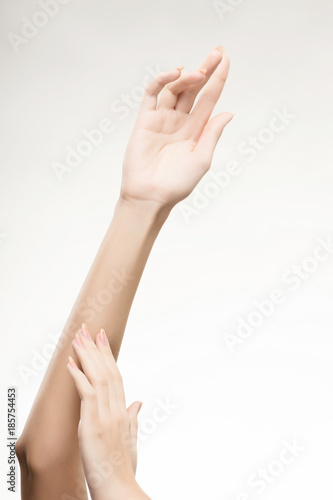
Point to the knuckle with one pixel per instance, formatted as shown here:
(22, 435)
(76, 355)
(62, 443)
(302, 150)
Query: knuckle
(173, 90)
(100, 380)
(101, 432)
(149, 88)
(117, 420)
(159, 79)
(104, 422)
(191, 93)
(121, 418)
(90, 346)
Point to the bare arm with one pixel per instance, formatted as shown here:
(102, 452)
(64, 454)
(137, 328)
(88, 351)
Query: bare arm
(50, 434)
(168, 153)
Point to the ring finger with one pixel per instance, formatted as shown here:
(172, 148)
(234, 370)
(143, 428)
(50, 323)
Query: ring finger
(170, 93)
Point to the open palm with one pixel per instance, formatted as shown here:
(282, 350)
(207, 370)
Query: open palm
(171, 148)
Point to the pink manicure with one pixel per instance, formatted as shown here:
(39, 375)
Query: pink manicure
(103, 337)
(72, 362)
(78, 340)
(85, 332)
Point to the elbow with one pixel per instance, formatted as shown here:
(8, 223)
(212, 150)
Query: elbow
(40, 456)
(21, 453)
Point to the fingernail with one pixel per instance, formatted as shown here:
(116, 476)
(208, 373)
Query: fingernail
(219, 48)
(203, 71)
(223, 52)
(180, 68)
(72, 363)
(78, 340)
(85, 332)
(103, 337)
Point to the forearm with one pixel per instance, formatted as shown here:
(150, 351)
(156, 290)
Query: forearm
(104, 301)
(107, 294)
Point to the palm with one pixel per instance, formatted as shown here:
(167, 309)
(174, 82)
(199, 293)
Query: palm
(160, 155)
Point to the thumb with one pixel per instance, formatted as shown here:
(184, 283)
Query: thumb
(133, 411)
(211, 135)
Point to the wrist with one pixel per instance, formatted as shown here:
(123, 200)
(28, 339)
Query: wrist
(136, 493)
(125, 492)
(150, 210)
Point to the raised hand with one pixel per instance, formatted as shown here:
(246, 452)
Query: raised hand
(107, 431)
(171, 147)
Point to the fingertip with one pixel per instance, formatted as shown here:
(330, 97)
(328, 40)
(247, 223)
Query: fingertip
(77, 342)
(101, 336)
(230, 117)
(71, 363)
(225, 118)
(70, 369)
(225, 57)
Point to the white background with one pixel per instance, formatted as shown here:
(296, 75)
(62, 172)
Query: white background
(234, 410)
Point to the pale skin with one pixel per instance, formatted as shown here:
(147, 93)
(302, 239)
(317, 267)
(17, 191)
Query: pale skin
(170, 149)
(107, 433)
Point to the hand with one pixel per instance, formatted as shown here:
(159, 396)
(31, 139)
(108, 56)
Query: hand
(170, 149)
(107, 431)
